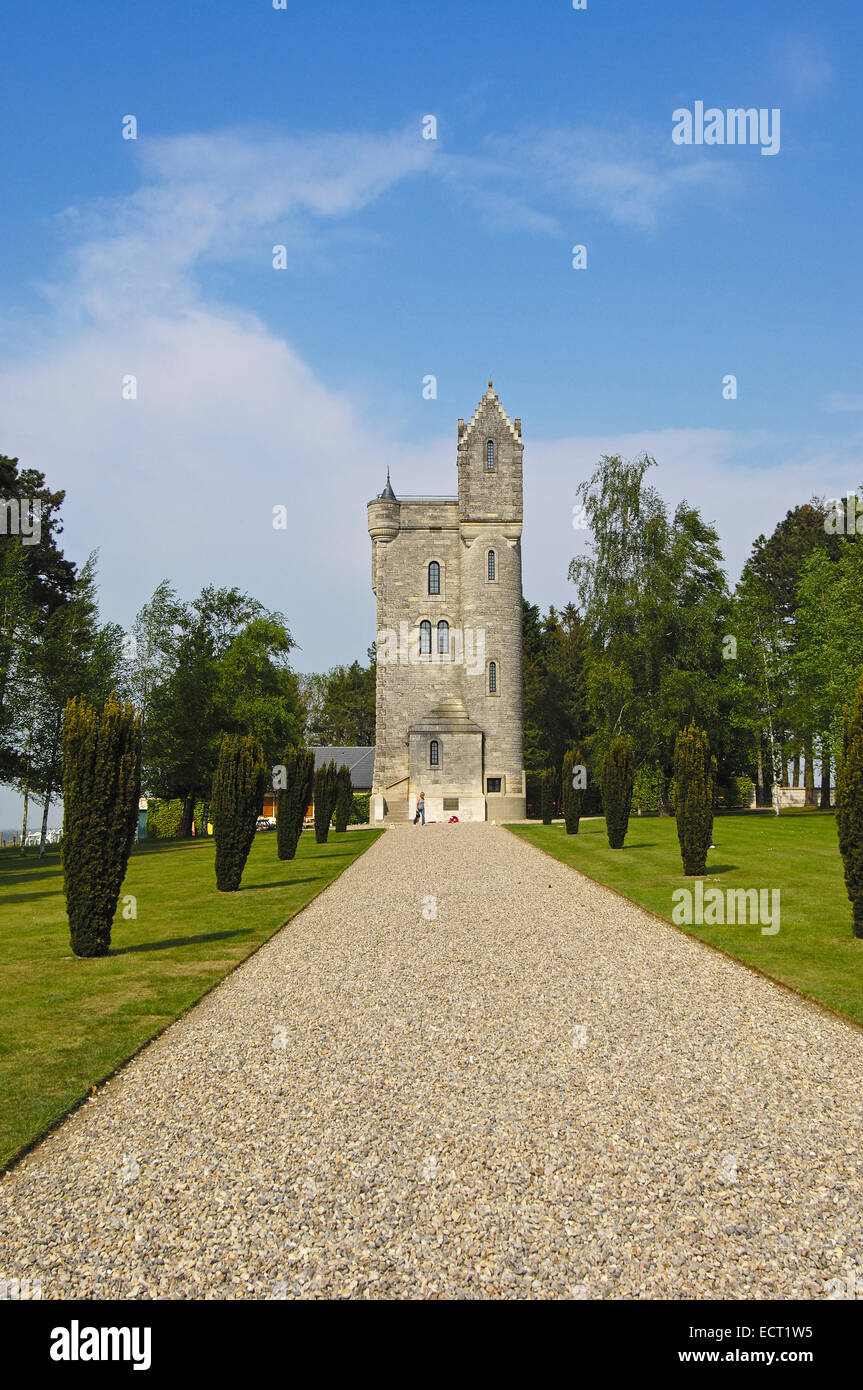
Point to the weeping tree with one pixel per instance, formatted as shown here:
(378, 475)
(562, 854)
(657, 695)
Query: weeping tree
(573, 781)
(849, 806)
(617, 778)
(344, 798)
(238, 789)
(546, 794)
(325, 800)
(694, 781)
(293, 787)
(101, 786)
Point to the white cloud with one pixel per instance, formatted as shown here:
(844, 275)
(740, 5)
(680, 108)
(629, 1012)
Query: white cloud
(839, 402)
(803, 62)
(634, 178)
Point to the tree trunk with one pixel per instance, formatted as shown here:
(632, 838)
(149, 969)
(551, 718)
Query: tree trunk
(796, 770)
(188, 813)
(49, 789)
(761, 795)
(809, 778)
(24, 822)
(825, 775)
(205, 817)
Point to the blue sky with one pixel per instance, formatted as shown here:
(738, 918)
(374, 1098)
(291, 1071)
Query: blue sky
(303, 127)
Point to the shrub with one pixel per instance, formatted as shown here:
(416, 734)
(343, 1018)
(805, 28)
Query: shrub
(292, 800)
(546, 794)
(617, 778)
(325, 800)
(849, 807)
(361, 809)
(734, 794)
(645, 790)
(238, 787)
(344, 798)
(101, 786)
(591, 803)
(694, 776)
(571, 796)
(163, 818)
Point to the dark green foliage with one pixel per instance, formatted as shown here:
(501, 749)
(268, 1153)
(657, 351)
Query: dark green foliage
(344, 798)
(238, 789)
(694, 778)
(360, 810)
(571, 796)
(546, 794)
(733, 794)
(849, 807)
(325, 800)
(617, 777)
(164, 818)
(101, 786)
(293, 800)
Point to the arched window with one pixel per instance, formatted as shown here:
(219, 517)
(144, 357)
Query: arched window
(434, 753)
(434, 577)
(489, 454)
(425, 638)
(492, 677)
(443, 639)
(491, 564)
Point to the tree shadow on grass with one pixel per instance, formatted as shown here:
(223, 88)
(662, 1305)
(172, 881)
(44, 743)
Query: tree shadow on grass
(28, 897)
(28, 876)
(179, 941)
(282, 883)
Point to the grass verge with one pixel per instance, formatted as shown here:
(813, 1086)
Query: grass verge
(66, 1024)
(814, 950)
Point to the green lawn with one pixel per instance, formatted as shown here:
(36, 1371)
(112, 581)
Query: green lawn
(66, 1024)
(814, 950)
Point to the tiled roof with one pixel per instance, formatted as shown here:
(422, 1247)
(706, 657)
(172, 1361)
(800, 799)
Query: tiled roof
(361, 762)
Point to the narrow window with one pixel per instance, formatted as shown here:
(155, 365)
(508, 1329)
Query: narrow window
(425, 638)
(491, 564)
(434, 753)
(434, 577)
(443, 639)
(492, 677)
(489, 454)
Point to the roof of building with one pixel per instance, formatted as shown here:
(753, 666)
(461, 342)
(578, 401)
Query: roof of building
(388, 490)
(360, 761)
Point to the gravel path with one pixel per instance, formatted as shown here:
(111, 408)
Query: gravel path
(540, 1092)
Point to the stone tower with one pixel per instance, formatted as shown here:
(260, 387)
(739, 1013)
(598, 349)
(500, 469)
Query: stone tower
(446, 572)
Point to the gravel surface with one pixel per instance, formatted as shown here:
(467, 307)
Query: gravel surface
(538, 1092)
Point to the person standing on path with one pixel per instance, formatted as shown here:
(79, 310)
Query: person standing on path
(421, 808)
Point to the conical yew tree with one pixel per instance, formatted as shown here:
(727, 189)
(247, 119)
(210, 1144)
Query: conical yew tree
(617, 778)
(238, 788)
(101, 786)
(293, 799)
(344, 798)
(849, 807)
(325, 800)
(694, 778)
(572, 788)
